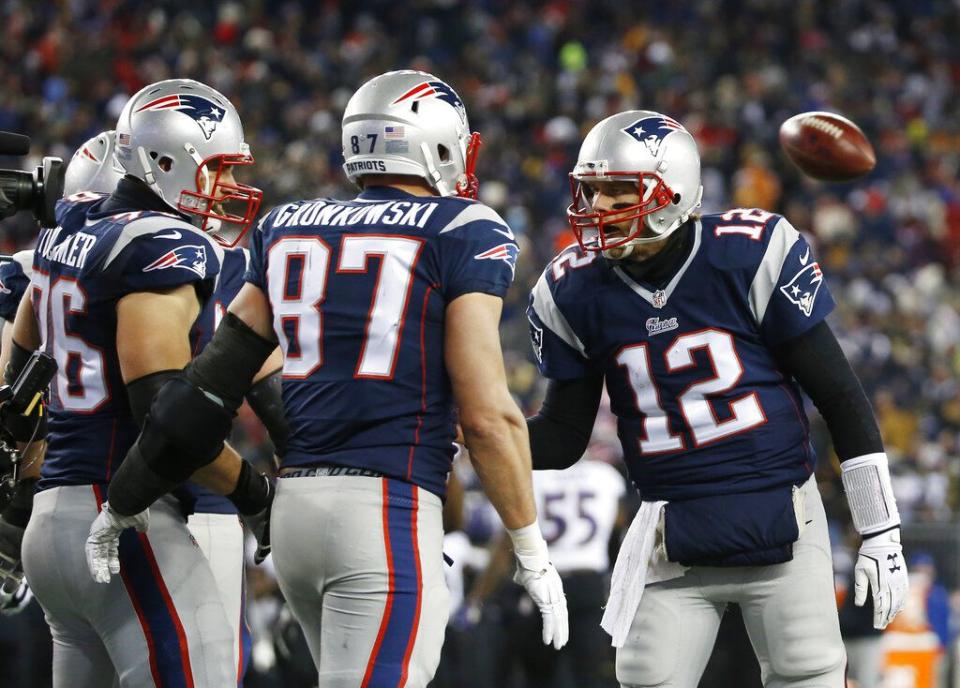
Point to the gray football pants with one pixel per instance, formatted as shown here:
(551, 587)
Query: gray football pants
(360, 562)
(789, 611)
(160, 623)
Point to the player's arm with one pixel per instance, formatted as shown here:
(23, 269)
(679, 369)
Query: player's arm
(560, 431)
(188, 421)
(817, 362)
(496, 435)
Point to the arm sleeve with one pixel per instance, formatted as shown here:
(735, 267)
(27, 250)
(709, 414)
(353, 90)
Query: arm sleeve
(788, 294)
(816, 361)
(561, 429)
(477, 254)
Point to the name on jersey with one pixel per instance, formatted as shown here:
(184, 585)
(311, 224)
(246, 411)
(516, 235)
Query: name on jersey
(401, 213)
(656, 325)
(72, 251)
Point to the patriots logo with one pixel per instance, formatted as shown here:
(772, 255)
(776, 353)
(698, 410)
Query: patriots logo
(203, 111)
(506, 252)
(193, 258)
(651, 131)
(803, 288)
(434, 89)
(536, 339)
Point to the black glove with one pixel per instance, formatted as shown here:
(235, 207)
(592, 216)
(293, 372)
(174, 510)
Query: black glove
(19, 427)
(253, 497)
(11, 570)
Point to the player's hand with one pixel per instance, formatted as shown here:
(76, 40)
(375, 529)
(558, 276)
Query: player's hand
(14, 602)
(545, 588)
(102, 548)
(259, 525)
(880, 567)
(11, 571)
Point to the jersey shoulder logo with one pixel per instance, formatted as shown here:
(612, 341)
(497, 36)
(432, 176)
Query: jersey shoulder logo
(193, 258)
(506, 252)
(203, 111)
(803, 288)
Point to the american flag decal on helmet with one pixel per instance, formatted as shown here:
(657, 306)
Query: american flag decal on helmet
(193, 258)
(506, 252)
(203, 111)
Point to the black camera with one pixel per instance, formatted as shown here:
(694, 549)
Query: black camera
(36, 191)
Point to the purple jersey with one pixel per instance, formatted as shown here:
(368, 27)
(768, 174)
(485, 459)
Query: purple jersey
(81, 269)
(359, 291)
(702, 407)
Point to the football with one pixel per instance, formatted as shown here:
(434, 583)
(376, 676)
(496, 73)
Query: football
(827, 147)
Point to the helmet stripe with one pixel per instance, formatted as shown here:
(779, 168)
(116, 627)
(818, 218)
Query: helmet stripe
(412, 92)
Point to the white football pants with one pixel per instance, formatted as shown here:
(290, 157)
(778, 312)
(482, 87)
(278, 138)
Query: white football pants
(160, 622)
(360, 562)
(789, 610)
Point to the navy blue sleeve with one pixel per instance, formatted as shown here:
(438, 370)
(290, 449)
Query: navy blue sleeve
(560, 353)
(256, 273)
(478, 253)
(13, 285)
(798, 295)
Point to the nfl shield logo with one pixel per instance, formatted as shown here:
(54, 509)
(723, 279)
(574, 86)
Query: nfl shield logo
(659, 298)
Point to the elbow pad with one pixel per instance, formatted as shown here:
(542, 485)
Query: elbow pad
(265, 400)
(866, 480)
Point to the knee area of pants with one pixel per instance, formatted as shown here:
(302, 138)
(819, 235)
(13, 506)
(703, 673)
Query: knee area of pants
(804, 662)
(641, 665)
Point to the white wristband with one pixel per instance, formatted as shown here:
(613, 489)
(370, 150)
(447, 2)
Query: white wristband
(529, 547)
(866, 480)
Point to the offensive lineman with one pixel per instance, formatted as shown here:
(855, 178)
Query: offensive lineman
(119, 285)
(384, 305)
(705, 329)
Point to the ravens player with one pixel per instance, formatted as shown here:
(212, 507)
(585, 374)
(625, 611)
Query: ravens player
(705, 329)
(387, 308)
(118, 287)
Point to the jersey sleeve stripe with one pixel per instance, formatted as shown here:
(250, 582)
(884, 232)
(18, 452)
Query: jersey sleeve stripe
(782, 239)
(551, 317)
(473, 213)
(152, 225)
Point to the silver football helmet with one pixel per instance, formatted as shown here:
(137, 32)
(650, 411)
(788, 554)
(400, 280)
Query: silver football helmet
(647, 148)
(411, 123)
(94, 166)
(182, 138)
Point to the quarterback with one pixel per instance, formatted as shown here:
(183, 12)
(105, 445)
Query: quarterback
(705, 329)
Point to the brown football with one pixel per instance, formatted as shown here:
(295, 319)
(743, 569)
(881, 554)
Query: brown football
(827, 146)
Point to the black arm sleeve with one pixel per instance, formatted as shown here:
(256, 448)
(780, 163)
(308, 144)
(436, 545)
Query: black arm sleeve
(817, 362)
(265, 400)
(140, 392)
(560, 432)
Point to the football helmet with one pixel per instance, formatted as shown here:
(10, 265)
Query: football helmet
(651, 150)
(182, 138)
(411, 123)
(94, 166)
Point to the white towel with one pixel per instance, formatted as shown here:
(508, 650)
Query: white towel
(640, 562)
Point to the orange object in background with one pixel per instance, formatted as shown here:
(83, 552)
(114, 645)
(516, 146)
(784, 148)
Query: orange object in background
(912, 659)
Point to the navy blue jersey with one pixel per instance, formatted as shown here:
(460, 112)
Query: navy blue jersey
(359, 291)
(14, 280)
(227, 286)
(702, 407)
(81, 269)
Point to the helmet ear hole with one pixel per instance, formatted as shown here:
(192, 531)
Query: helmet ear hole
(443, 153)
(415, 107)
(165, 163)
(676, 199)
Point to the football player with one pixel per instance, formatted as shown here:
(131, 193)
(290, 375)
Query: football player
(705, 329)
(387, 309)
(117, 288)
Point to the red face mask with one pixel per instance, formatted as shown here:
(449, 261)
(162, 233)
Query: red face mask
(227, 202)
(582, 217)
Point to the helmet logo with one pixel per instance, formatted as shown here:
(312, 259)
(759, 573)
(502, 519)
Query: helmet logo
(435, 89)
(204, 112)
(651, 131)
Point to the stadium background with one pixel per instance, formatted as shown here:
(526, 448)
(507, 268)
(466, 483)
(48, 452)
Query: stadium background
(535, 76)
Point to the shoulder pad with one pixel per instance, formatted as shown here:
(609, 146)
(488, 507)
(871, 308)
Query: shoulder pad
(478, 212)
(160, 226)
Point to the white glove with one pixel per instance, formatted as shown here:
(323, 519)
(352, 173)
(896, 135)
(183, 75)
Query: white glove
(15, 601)
(880, 567)
(102, 545)
(542, 582)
